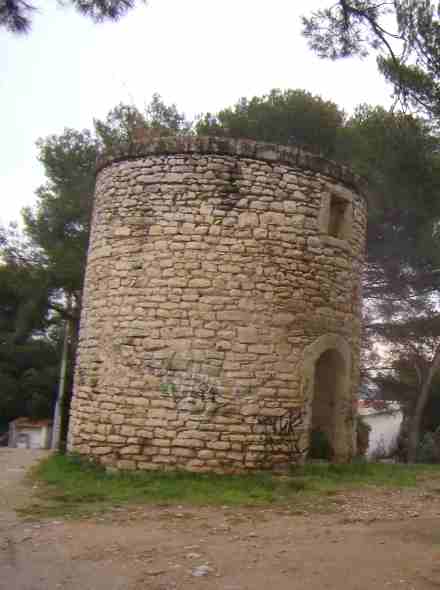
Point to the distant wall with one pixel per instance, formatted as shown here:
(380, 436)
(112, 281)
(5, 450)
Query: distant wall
(385, 428)
(28, 436)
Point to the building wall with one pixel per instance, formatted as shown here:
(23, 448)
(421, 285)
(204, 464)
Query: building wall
(36, 438)
(211, 282)
(385, 428)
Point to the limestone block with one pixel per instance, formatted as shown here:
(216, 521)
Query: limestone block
(219, 446)
(114, 438)
(206, 454)
(127, 430)
(247, 335)
(190, 443)
(117, 418)
(199, 283)
(121, 231)
(161, 442)
(165, 451)
(272, 218)
(260, 348)
(248, 218)
(102, 450)
(180, 452)
(129, 450)
(126, 464)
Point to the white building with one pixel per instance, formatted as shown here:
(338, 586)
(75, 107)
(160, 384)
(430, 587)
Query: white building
(30, 434)
(385, 421)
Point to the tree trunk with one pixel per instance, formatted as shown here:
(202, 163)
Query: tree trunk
(416, 420)
(414, 435)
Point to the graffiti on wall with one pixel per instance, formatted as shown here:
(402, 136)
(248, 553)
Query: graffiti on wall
(194, 390)
(285, 430)
(192, 386)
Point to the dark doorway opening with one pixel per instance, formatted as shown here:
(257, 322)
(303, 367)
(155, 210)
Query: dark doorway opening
(328, 388)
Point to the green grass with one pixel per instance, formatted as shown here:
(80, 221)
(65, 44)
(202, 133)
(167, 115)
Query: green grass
(71, 486)
(323, 476)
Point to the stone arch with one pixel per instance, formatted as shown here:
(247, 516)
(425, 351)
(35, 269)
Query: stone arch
(327, 391)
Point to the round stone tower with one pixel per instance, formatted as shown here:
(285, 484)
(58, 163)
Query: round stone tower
(221, 313)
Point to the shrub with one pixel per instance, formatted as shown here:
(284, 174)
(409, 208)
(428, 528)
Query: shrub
(320, 447)
(428, 450)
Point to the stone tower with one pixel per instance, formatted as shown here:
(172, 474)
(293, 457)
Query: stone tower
(221, 312)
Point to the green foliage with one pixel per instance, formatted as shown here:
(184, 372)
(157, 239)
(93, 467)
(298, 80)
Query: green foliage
(431, 416)
(124, 122)
(346, 28)
(23, 304)
(28, 377)
(28, 356)
(168, 388)
(290, 117)
(58, 226)
(320, 447)
(399, 156)
(118, 128)
(16, 15)
(428, 450)
(404, 33)
(161, 116)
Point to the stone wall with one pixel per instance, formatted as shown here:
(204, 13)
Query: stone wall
(219, 272)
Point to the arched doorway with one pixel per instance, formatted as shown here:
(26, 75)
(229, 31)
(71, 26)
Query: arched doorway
(328, 383)
(327, 391)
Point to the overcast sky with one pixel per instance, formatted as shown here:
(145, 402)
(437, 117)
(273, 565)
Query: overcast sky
(201, 54)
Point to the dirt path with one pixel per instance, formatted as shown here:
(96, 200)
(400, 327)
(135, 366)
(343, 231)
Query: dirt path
(373, 540)
(14, 464)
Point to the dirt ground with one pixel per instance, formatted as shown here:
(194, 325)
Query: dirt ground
(375, 539)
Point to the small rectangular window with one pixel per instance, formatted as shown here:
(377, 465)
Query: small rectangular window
(337, 217)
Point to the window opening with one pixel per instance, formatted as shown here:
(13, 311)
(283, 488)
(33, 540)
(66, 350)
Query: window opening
(337, 215)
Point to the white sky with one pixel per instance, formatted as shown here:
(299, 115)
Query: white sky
(201, 54)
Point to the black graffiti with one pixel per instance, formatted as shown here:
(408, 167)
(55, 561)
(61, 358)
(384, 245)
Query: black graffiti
(283, 432)
(283, 425)
(198, 387)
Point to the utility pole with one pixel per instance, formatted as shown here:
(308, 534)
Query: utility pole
(59, 404)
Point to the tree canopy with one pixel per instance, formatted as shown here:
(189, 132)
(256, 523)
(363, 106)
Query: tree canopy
(16, 15)
(28, 343)
(286, 117)
(405, 34)
(399, 155)
(124, 122)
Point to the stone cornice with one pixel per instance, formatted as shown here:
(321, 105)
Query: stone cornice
(148, 145)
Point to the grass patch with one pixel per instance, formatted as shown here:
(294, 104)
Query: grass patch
(327, 476)
(72, 486)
